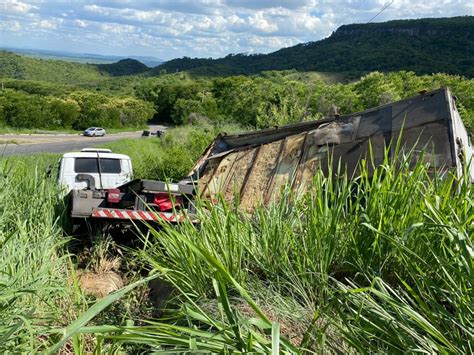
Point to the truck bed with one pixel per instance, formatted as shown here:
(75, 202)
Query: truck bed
(255, 165)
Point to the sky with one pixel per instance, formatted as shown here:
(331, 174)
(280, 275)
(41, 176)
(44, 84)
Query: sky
(169, 29)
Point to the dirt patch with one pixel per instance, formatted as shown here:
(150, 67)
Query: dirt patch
(99, 284)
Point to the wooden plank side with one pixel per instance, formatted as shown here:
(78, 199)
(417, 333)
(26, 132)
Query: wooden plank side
(206, 176)
(217, 182)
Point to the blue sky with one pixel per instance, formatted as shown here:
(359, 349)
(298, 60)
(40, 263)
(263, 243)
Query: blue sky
(201, 28)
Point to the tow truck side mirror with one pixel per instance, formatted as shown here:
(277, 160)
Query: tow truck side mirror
(49, 171)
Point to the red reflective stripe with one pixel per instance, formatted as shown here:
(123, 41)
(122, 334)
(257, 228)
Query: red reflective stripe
(167, 217)
(138, 215)
(119, 214)
(143, 215)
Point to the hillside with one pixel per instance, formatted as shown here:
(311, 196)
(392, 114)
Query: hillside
(63, 72)
(424, 46)
(90, 58)
(123, 67)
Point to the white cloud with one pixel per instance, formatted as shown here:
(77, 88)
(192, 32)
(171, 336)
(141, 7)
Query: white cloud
(117, 28)
(10, 26)
(13, 6)
(175, 28)
(260, 22)
(81, 23)
(47, 24)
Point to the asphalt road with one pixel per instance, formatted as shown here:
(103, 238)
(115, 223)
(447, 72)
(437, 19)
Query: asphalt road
(17, 144)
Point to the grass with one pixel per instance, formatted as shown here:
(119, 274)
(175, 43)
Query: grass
(381, 263)
(32, 282)
(38, 292)
(377, 264)
(9, 141)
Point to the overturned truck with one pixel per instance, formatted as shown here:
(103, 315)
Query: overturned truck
(256, 165)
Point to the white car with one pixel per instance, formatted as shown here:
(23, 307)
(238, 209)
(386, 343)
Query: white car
(94, 132)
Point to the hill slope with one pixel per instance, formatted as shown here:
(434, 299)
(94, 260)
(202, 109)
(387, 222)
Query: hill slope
(58, 71)
(424, 46)
(90, 58)
(123, 67)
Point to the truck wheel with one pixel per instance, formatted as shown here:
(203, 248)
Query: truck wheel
(78, 227)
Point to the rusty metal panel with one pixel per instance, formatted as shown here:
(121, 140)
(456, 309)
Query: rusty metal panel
(259, 164)
(253, 192)
(432, 138)
(376, 122)
(287, 164)
(345, 158)
(336, 132)
(237, 176)
(314, 155)
(420, 110)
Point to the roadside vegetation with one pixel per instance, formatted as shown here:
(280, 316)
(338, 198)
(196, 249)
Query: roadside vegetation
(173, 155)
(380, 264)
(269, 99)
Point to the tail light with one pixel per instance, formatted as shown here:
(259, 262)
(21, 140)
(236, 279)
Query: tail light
(164, 202)
(113, 195)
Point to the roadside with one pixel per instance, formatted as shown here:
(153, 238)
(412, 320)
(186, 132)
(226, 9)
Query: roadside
(32, 132)
(15, 144)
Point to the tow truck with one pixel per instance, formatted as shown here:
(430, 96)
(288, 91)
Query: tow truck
(100, 187)
(255, 166)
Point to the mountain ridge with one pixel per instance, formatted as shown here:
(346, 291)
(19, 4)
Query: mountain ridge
(424, 46)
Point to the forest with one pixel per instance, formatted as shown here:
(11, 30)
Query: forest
(272, 98)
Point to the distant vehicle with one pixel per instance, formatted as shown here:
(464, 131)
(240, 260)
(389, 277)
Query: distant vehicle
(94, 132)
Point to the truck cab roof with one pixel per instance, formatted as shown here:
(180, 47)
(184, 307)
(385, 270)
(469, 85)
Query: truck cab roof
(94, 154)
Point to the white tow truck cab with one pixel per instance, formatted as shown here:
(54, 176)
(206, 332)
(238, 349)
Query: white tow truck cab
(100, 188)
(108, 170)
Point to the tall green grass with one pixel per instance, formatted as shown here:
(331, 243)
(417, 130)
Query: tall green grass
(380, 263)
(33, 292)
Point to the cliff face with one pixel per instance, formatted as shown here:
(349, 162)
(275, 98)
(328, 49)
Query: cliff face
(413, 31)
(414, 28)
(424, 46)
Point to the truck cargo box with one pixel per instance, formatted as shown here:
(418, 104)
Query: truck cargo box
(256, 165)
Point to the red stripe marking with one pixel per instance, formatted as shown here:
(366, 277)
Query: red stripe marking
(143, 215)
(167, 217)
(138, 215)
(119, 213)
